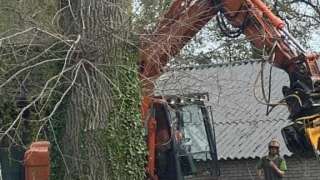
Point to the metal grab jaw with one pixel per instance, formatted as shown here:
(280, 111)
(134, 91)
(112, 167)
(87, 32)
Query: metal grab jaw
(296, 141)
(303, 101)
(303, 137)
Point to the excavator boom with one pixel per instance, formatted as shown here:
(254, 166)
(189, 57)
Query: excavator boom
(186, 17)
(266, 32)
(181, 22)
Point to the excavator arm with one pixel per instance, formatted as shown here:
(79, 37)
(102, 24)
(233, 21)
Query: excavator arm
(260, 26)
(266, 32)
(181, 22)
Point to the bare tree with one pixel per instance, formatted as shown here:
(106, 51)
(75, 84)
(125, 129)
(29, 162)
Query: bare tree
(72, 68)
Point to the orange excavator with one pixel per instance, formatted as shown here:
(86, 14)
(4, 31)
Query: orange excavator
(172, 121)
(264, 31)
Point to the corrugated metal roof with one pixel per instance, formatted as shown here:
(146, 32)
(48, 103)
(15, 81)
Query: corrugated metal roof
(242, 126)
(248, 139)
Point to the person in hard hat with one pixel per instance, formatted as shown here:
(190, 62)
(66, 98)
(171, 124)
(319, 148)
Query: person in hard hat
(273, 166)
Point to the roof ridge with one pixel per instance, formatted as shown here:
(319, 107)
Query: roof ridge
(214, 65)
(248, 121)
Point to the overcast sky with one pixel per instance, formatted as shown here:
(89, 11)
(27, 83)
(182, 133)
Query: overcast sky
(315, 41)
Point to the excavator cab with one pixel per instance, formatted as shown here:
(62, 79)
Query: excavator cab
(185, 138)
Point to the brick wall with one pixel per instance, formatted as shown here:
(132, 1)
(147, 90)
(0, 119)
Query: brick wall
(245, 169)
(298, 169)
(238, 169)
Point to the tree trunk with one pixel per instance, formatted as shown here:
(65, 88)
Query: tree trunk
(103, 31)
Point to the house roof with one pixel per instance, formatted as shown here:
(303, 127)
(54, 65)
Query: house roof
(241, 125)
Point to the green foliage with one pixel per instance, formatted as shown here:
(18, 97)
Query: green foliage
(17, 15)
(8, 112)
(23, 131)
(27, 130)
(124, 136)
(55, 135)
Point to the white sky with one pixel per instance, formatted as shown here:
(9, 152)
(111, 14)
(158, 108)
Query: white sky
(315, 41)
